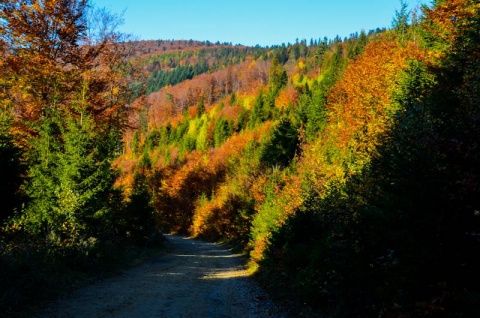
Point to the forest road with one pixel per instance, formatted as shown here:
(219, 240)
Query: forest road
(194, 279)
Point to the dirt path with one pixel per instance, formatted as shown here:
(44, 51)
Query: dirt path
(196, 279)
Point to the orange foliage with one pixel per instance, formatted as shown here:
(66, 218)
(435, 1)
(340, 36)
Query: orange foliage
(126, 167)
(230, 112)
(444, 19)
(169, 103)
(286, 97)
(219, 216)
(360, 110)
(51, 63)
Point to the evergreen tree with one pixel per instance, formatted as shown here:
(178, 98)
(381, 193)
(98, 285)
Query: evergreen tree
(221, 131)
(201, 107)
(70, 181)
(400, 22)
(277, 77)
(283, 144)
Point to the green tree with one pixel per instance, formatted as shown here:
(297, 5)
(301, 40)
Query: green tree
(312, 110)
(201, 107)
(400, 21)
(283, 144)
(221, 132)
(70, 183)
(135, 144)
(277, 77)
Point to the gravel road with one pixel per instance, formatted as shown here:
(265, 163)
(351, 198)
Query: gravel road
(195, 279)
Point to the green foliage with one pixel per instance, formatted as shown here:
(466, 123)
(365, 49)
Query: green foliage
(312, 110)
(283, 144)
(400, 22)
(259, 112)
(201, 106)
(151, 141)
(181, 130)
(70, 180)
(399, 238)
(277, 77)
(356, 44)
(169, 68)
(135, 143)
(281, 54)
(373, 219)
(333, 66)
(223, 129)
(159, 78)
(202, 140)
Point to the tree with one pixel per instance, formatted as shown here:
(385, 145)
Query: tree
(400, 21)
(66, 83)
(70, 180)
(51, 48)
(221, 131)
(277, 77)
(283, 144)
(201, 107)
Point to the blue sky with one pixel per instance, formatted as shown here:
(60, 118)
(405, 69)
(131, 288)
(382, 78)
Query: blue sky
(251, 22)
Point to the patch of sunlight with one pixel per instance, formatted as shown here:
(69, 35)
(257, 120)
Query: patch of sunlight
(252, 267)
(207, 256)
(227, 274)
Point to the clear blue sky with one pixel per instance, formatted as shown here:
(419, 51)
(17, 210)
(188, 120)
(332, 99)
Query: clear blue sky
(250, 22)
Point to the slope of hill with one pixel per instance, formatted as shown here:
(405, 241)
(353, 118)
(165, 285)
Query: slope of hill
(283, 154)
(346, 169)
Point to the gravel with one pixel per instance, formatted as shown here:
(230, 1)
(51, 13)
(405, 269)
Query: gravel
(194, 279)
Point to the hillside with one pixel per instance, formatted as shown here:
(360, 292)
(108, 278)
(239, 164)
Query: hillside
(345, 169)
(285, 153)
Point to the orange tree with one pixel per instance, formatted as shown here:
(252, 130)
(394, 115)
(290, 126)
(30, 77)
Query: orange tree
(52, 55)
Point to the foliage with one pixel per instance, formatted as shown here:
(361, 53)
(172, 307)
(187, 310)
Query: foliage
(283, 144)
(70, 180)
(61, 55)
(346, 169)
(65, 95)
(389, 230)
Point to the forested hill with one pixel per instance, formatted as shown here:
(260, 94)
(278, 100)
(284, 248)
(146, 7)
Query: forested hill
(346, 169)
(171, 62)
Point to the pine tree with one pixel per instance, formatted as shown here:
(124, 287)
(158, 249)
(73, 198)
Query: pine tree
(70, 180)
(400, 22)
(283, 144)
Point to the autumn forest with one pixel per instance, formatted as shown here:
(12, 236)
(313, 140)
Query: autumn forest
(345, 169)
